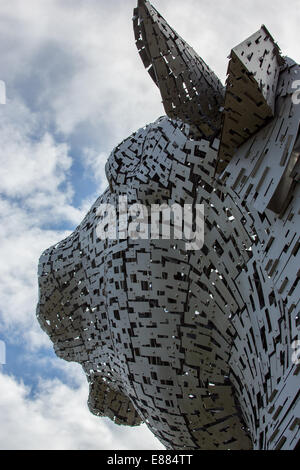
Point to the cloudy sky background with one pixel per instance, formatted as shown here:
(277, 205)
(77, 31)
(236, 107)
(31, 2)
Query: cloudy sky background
(75, 88)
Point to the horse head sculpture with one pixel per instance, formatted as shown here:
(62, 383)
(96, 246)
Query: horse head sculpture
(195, 343)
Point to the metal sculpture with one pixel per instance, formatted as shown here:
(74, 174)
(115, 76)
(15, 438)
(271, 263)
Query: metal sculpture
(197, 344)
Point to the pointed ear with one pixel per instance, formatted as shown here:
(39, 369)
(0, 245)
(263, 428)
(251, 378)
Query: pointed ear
(189, 89)
(252, 77)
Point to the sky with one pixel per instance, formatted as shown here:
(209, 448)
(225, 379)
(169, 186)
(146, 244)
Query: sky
(75, 88)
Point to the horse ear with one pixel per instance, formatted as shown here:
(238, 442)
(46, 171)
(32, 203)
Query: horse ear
(251, 88)
(190, 90)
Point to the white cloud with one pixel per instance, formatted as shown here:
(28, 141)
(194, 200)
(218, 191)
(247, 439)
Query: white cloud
(95, 165)
(34, 167)
(35, 192)
(57, 418)
(21, 245)
(79, 63)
